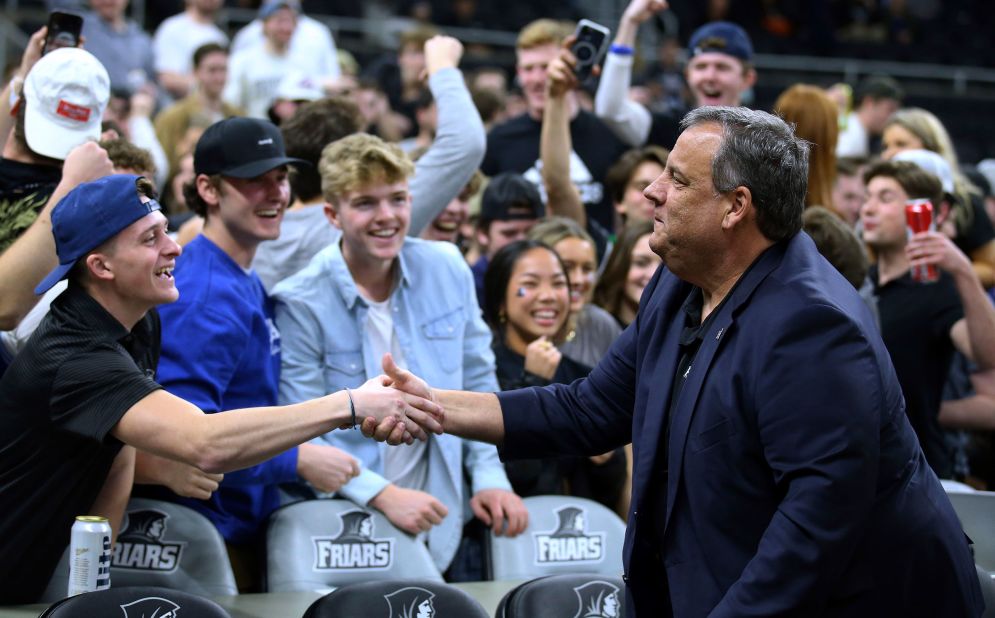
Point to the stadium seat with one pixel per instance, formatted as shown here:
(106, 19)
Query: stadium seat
(166, 545)
(564, 596)
(565, 535)
(136, 602)
(976, 512)
(400, 598)
(987, 591)
(318, 545)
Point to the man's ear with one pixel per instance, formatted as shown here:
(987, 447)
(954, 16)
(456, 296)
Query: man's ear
(99, 266)
(332, 214)
(209, 191)
(483, 238)
(750, 78)
(943, 210)
(739, 206)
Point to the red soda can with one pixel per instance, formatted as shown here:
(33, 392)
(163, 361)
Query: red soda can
(919, 218)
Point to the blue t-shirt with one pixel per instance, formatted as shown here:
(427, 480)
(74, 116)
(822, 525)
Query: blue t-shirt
(221, 351)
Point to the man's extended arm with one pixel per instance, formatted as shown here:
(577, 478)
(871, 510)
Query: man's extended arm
(589, 417)
(168, 426)
(32, 256)
(976, 412)
(460, 140)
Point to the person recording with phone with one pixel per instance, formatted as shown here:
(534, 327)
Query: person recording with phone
(719, 71)
(513, 146)
(59, 107)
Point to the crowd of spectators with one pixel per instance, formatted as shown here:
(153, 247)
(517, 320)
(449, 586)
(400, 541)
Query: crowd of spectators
(487, 235)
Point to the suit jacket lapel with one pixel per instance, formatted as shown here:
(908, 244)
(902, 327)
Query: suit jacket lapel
(660, 369)
(684, 409)
(662, 373)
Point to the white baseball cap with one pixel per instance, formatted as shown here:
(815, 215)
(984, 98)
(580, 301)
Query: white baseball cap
(296, 86)
(930, 162)
(66, 93)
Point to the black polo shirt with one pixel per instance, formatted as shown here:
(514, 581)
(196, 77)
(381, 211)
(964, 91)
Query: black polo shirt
(916, 319)
(60, 398)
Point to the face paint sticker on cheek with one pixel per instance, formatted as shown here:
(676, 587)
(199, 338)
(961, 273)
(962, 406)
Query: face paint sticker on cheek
(520, 292)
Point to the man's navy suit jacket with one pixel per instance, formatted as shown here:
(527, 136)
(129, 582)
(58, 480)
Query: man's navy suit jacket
(796, 485)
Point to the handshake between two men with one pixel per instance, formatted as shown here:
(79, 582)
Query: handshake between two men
(476, 416)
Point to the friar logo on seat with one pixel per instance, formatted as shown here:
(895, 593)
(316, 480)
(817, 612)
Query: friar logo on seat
(570, 542)
(597, 599)
(141, 546)
(410, 602)
(151, 607)
(354, 548)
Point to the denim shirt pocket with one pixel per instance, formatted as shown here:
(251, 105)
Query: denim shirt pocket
(343, 370)
(445, 336)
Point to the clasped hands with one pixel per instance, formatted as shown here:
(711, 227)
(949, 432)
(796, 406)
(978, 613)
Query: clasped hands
(397, 407)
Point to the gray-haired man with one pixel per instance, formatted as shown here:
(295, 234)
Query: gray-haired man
(774, 470)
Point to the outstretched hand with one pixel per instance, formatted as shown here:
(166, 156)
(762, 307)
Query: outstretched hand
(390, 410)
(425, 418)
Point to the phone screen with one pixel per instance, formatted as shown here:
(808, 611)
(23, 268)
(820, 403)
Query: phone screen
(63, 31)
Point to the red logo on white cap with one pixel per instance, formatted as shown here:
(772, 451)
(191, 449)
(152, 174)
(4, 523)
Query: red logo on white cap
(71, 111)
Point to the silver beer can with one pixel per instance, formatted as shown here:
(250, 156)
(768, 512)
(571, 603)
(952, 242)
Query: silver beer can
(90, 555)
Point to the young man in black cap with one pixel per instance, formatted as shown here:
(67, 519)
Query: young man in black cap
(509, 208)
(85, 386)
(221, 348)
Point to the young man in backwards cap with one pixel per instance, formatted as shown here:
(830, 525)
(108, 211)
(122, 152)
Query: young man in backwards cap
(719, 71)
(84, 388)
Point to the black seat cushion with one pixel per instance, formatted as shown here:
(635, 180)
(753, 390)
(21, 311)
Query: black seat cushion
(136, 602)
(565, 596)
(396, 599)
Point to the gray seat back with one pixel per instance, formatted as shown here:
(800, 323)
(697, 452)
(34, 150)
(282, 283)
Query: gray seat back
(324, 544)
(987, 591)
(565, 535)
(976, 512)
(165, 545)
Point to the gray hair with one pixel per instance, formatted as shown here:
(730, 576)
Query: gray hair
(759, 151)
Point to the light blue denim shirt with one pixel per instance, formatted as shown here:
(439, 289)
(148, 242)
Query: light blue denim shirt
(325, 348)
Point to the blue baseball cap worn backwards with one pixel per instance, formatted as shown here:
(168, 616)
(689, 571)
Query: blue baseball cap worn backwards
(723, 37)
(91, 214)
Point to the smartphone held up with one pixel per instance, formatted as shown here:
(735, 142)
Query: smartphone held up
(589, 47)
(63, 31)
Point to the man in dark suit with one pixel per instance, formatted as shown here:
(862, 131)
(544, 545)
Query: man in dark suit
(774, 471)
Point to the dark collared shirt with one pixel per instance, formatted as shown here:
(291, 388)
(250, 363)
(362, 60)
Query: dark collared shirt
(691, 338)
(78, 375)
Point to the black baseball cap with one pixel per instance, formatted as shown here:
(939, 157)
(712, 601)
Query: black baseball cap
(510, 197)
(241, 148)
